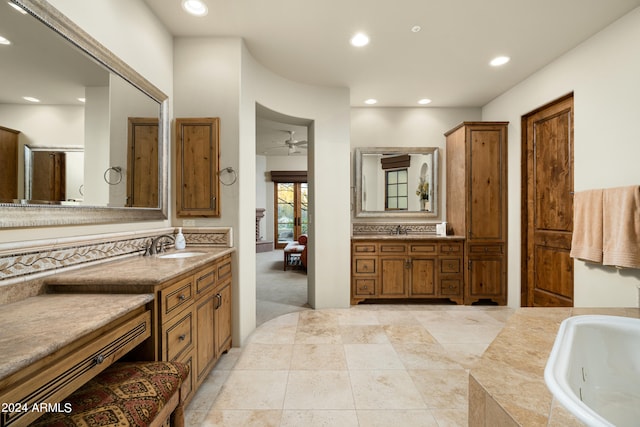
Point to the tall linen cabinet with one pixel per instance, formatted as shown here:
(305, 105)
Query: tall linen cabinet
(477, 205)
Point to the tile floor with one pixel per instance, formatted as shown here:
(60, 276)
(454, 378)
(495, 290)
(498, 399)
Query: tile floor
(370, 365)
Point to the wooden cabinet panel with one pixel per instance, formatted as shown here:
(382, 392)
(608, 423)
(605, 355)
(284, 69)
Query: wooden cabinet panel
(205, 280)
(422, 249)
(205, 351)
(223, 318)
(364, 265)
(359, 248)
(423, 277)
(393, 277)
(177, 296)
(485, 278)
(8, 164)
(393, 248)
(178, 335)
(450, 265)
(197, 166)
(142, 162)
(364, 287)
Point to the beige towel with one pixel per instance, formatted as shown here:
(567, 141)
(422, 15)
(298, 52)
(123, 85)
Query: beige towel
(621, 227)
(586, 241)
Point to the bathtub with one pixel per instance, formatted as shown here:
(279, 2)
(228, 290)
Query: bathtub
(594, 369)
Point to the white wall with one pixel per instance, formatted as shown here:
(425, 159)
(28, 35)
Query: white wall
(408, 127)
(143, 43)
(603, 72)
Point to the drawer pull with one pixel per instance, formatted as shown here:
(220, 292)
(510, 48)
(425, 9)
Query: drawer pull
(182, 297)
(98, 359)
(182, 337)
(219, 298)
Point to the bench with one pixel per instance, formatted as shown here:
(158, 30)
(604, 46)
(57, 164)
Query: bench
(140, 394)
(296, 250)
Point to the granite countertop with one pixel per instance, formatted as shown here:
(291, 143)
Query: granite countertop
(38, 326)
(404, 237)
(136, 274)
(511, 371)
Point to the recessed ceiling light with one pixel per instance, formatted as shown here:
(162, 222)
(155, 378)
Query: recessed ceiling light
(371, 101)
(18, 8)
(360, 40)
(424, 101)
(416, 28)
(30, 99)
(195, 7)
(82, 99)
(4, 41)
(499, 60)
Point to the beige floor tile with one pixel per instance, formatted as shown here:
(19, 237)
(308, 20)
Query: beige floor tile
(242, 418)
(372, 356)
(403, 418)
(408, 334)
(396, 317)
(466, 354)
(442, 389)
(425, 356)
(451, 417)
(385, 389)
(327, 357)
(363, 334)
(357, 317)
(253, 390)
(480, 333)
(319, 419)
(265, 356)
(274, 333)
(318, 390)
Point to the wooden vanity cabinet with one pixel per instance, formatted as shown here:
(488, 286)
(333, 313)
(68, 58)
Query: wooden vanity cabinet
(401, 269)
(195, 319)
(477, 205)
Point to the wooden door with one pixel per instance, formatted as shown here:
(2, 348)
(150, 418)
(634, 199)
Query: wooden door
(8, 164)
(394, 276)
(197, 165)
(423, 277)
(547, 205)
(48, 181)
(142, 171)
(291, 207)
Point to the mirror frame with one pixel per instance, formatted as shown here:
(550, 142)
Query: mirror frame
(359, 213)
(32, 215)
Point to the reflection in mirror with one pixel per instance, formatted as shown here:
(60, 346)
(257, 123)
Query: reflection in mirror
(89, 100)
(396, 182)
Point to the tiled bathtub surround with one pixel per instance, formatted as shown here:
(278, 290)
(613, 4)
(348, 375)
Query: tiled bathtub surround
(23, 265)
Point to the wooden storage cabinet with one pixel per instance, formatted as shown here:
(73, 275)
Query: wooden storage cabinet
(477, 205)
(387, 269)
(195, 319)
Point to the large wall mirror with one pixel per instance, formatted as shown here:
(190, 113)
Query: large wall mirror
(97, 123)
(396, 182)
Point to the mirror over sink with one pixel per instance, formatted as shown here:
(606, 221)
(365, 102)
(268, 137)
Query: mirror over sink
(119, 128)
(397, 182)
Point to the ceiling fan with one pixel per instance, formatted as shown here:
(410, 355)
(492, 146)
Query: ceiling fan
(292, 144)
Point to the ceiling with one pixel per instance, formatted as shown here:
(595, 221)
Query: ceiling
(447, 61)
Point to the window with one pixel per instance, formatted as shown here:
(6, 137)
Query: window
(397, 190)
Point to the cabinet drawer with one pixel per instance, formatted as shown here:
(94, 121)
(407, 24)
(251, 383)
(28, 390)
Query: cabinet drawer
(178, 336)
(364, 287)
(391, 248)
(450, 286)
(363, 248)
(63, 376)
(365, 266)
(205, 280)
(450, 248)
(224, 268)
(423, 248)
(188, 385)
(486, 249)
(450, 265)
(177, 296)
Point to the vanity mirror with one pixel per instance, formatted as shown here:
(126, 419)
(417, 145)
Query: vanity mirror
(120, 126)
(396, 182)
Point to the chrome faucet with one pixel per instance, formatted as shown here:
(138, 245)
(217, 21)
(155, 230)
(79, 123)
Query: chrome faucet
(153, 249)
(399, 230)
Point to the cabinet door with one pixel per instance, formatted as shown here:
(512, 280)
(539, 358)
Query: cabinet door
(485, 277)
(223, 318)
(205, 308)
(197, 185)
(487, 183)
(423, 277)
(394, 274)
(142, 161)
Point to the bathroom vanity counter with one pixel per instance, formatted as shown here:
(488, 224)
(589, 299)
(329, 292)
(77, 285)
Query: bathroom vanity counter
(408, 237)
(53, 344)
(136, 274)
(507, 386)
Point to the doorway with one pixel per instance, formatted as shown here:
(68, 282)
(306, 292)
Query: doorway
(291, 211)
(547, 205)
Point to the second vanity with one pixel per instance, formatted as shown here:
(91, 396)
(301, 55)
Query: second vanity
(408, 266)
(191, 309)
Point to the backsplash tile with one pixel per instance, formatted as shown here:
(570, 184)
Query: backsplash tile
(377, 228)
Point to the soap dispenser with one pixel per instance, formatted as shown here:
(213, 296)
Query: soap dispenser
(180, 242)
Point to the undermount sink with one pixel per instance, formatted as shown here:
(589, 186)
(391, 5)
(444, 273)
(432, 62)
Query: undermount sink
(594, 369)
(175, 255)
